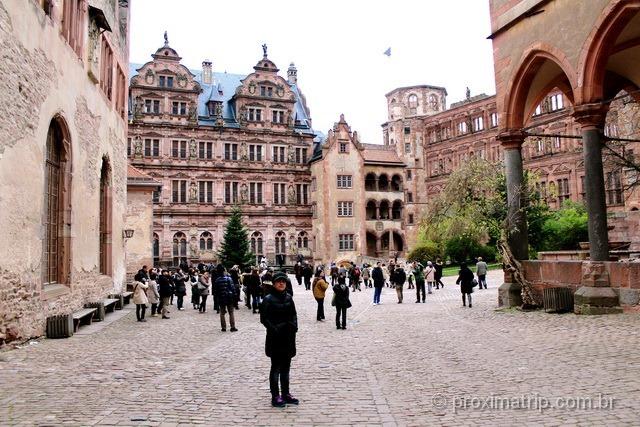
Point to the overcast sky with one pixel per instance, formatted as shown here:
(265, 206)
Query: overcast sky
(337, 46)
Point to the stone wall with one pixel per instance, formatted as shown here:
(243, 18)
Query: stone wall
(44, 78)
(140, 220)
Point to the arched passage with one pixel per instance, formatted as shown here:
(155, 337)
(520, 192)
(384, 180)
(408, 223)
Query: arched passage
(371, 210)
(371, 182)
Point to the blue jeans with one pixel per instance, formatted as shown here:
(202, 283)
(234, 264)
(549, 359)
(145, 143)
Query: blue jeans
(376, 295)
(256, 302)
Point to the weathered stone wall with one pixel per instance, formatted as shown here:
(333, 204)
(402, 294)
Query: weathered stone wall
(42, 77)
(140, 220)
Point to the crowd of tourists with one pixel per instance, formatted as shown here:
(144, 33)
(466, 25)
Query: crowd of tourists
(269, 293)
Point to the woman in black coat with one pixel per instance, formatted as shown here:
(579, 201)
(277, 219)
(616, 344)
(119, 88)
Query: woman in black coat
(465, 279)
(279, 317)
(180, 287)
(341, 302)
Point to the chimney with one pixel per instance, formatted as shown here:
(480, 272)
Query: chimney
(292, 74)
(206, 72)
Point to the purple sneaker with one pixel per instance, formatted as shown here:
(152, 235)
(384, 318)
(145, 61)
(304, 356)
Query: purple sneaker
(278, 402)
(290, 399)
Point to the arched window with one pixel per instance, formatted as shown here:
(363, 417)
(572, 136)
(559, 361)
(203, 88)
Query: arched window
(370, 182)
(281, 240)
(433, 102)
(371, 210)
(396, 183)
(179, 248)
(383, 183)
(413, 103)
(303, 240)
(256, 243)
(396, 210)
(384, 210)
(105, 217)
(57, 210)
(206, 241)
(156, 249)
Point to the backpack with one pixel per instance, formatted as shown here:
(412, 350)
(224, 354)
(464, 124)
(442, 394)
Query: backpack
(356, 273)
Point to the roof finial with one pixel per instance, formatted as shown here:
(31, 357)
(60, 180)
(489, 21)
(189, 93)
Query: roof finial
(166, 39)
(264, 50)
(468, 93)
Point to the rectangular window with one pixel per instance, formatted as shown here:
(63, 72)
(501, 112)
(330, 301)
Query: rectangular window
(151, 147)
(345, 208)
(409, 175)
(557, 143)
(302, 194)
(409, 197)
(266, 91)
(179, 108)
(563, 190)
(129, 150)
(254, 114)
(538, 110)
(73, 18)
(179, 149)
(279, 154)
(206, 191)
(613, 182)
(343, 147)
(156, 196)
(407, 147)
(231, 192)
(494, 119)
(277, 116)
(255, 153)
(556, 103)
(478, 124)
(279, 194)
(255, 193)
(161, 81)
(344, 181)
(230, 151)
(345, 242)
(152, 106)
(179, 191)
(410, 220)
(106, 68)
(407, 130)
(121, 94)
(205, 150)
(462, 128)
(301, 155)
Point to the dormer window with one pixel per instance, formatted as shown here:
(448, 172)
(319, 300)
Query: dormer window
(254, 115)
(165, 81)
(266, 91)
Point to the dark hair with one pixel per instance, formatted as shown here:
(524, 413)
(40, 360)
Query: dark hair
(319, 271)
(220, 269)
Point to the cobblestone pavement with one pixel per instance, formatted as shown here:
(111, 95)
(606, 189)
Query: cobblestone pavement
(396, 364)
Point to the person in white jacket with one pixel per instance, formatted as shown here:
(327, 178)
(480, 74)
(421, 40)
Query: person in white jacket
(429, 276)
(140, 296)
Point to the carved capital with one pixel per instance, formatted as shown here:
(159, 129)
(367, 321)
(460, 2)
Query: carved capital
(590, 116)
(511, 138)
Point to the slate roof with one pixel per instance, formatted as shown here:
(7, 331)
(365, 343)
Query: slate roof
(222, 90)
(381, 155)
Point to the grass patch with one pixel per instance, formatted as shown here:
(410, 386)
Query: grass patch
(453, 270)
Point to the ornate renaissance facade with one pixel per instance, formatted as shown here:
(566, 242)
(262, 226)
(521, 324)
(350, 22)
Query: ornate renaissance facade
(63, 168)
(216, 140)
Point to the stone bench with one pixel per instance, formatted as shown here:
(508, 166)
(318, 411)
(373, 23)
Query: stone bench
(121, 299)
(84, 316)
(127, 297)
(103, 307)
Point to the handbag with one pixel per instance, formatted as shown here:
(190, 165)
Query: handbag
(474, 283)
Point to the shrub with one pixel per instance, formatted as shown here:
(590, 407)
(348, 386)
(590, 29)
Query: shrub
(427, 251)
(463, 249)
(565, 228)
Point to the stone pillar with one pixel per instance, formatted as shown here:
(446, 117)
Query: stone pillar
(591, 118)
(392, 244)
(378, 245)
(595, 296)
(509, 293)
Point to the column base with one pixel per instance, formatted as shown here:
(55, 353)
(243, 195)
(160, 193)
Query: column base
(510, 295)
(592, 300)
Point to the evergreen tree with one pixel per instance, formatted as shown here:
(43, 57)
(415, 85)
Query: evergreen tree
(235, 245)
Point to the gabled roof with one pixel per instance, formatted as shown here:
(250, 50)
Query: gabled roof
(137, 178)
(381, 155)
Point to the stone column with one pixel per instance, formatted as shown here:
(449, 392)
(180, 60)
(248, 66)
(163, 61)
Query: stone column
(509, 293)
(595, 296)
(378, 245)
(392, 244)
(591, 118)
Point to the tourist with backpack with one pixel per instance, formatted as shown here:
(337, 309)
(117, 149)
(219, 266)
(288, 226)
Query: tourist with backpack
(341, 302)
(225, 292)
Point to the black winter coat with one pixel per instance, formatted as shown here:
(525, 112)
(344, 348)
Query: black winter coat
(164, 286)
(341, 292)
(399, 276)
(180, 287)
(378, 277)
(252, 282)
(465, 279)
(225, 291)
(278, 314)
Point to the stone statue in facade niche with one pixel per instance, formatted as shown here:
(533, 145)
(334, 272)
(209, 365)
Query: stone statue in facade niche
(242, 117)
(193, 149)
(138, 107)
(244, 193)
(137, 147)
(292, 155)
(243, 152)
(193, 112)
(193, 193)
(291, 195)
(193, 247)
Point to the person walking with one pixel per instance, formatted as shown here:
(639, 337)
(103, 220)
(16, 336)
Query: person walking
(410, 278)
(319, 288)
(481, 271)
(252, 282)
(430, 276)
(279, 317)
(195, 293)
(399, 277)
(418, 275)
(165, 290)
(307, 273)
(438, 274)
(465, 280)
(297, 271)
(378, 283)
(140, 296)
(341, 302)
(366, 276)
(180, 287)
(204, 286)
(225, 291)
(152, 292)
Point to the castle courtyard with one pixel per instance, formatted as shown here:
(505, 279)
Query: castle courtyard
(396, 364)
